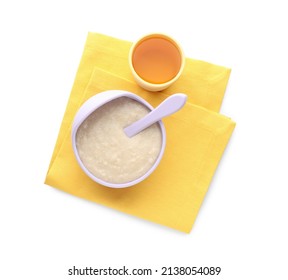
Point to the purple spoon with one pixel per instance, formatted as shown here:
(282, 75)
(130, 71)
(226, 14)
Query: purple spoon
(170, 105)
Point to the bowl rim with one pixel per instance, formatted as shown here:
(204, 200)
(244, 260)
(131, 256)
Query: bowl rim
(92, 104)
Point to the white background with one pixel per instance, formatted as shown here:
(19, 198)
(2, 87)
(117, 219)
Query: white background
(242, 225)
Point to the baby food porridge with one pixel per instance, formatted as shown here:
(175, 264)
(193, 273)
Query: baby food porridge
(107, 152)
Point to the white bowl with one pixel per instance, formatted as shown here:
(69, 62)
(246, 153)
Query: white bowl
(93, 104)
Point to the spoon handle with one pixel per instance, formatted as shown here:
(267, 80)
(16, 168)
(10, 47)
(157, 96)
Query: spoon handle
(169, 106)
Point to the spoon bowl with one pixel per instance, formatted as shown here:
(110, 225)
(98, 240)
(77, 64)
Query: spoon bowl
(169, 106)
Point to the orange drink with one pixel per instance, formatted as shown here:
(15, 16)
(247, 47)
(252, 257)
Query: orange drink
(156, 61)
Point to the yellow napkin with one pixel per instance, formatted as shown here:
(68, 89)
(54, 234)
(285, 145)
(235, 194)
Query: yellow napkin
(196, 137)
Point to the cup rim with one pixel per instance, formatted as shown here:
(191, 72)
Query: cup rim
(153, 35)
(92, 104)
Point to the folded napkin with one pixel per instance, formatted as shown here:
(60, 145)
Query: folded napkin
(196, 137)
